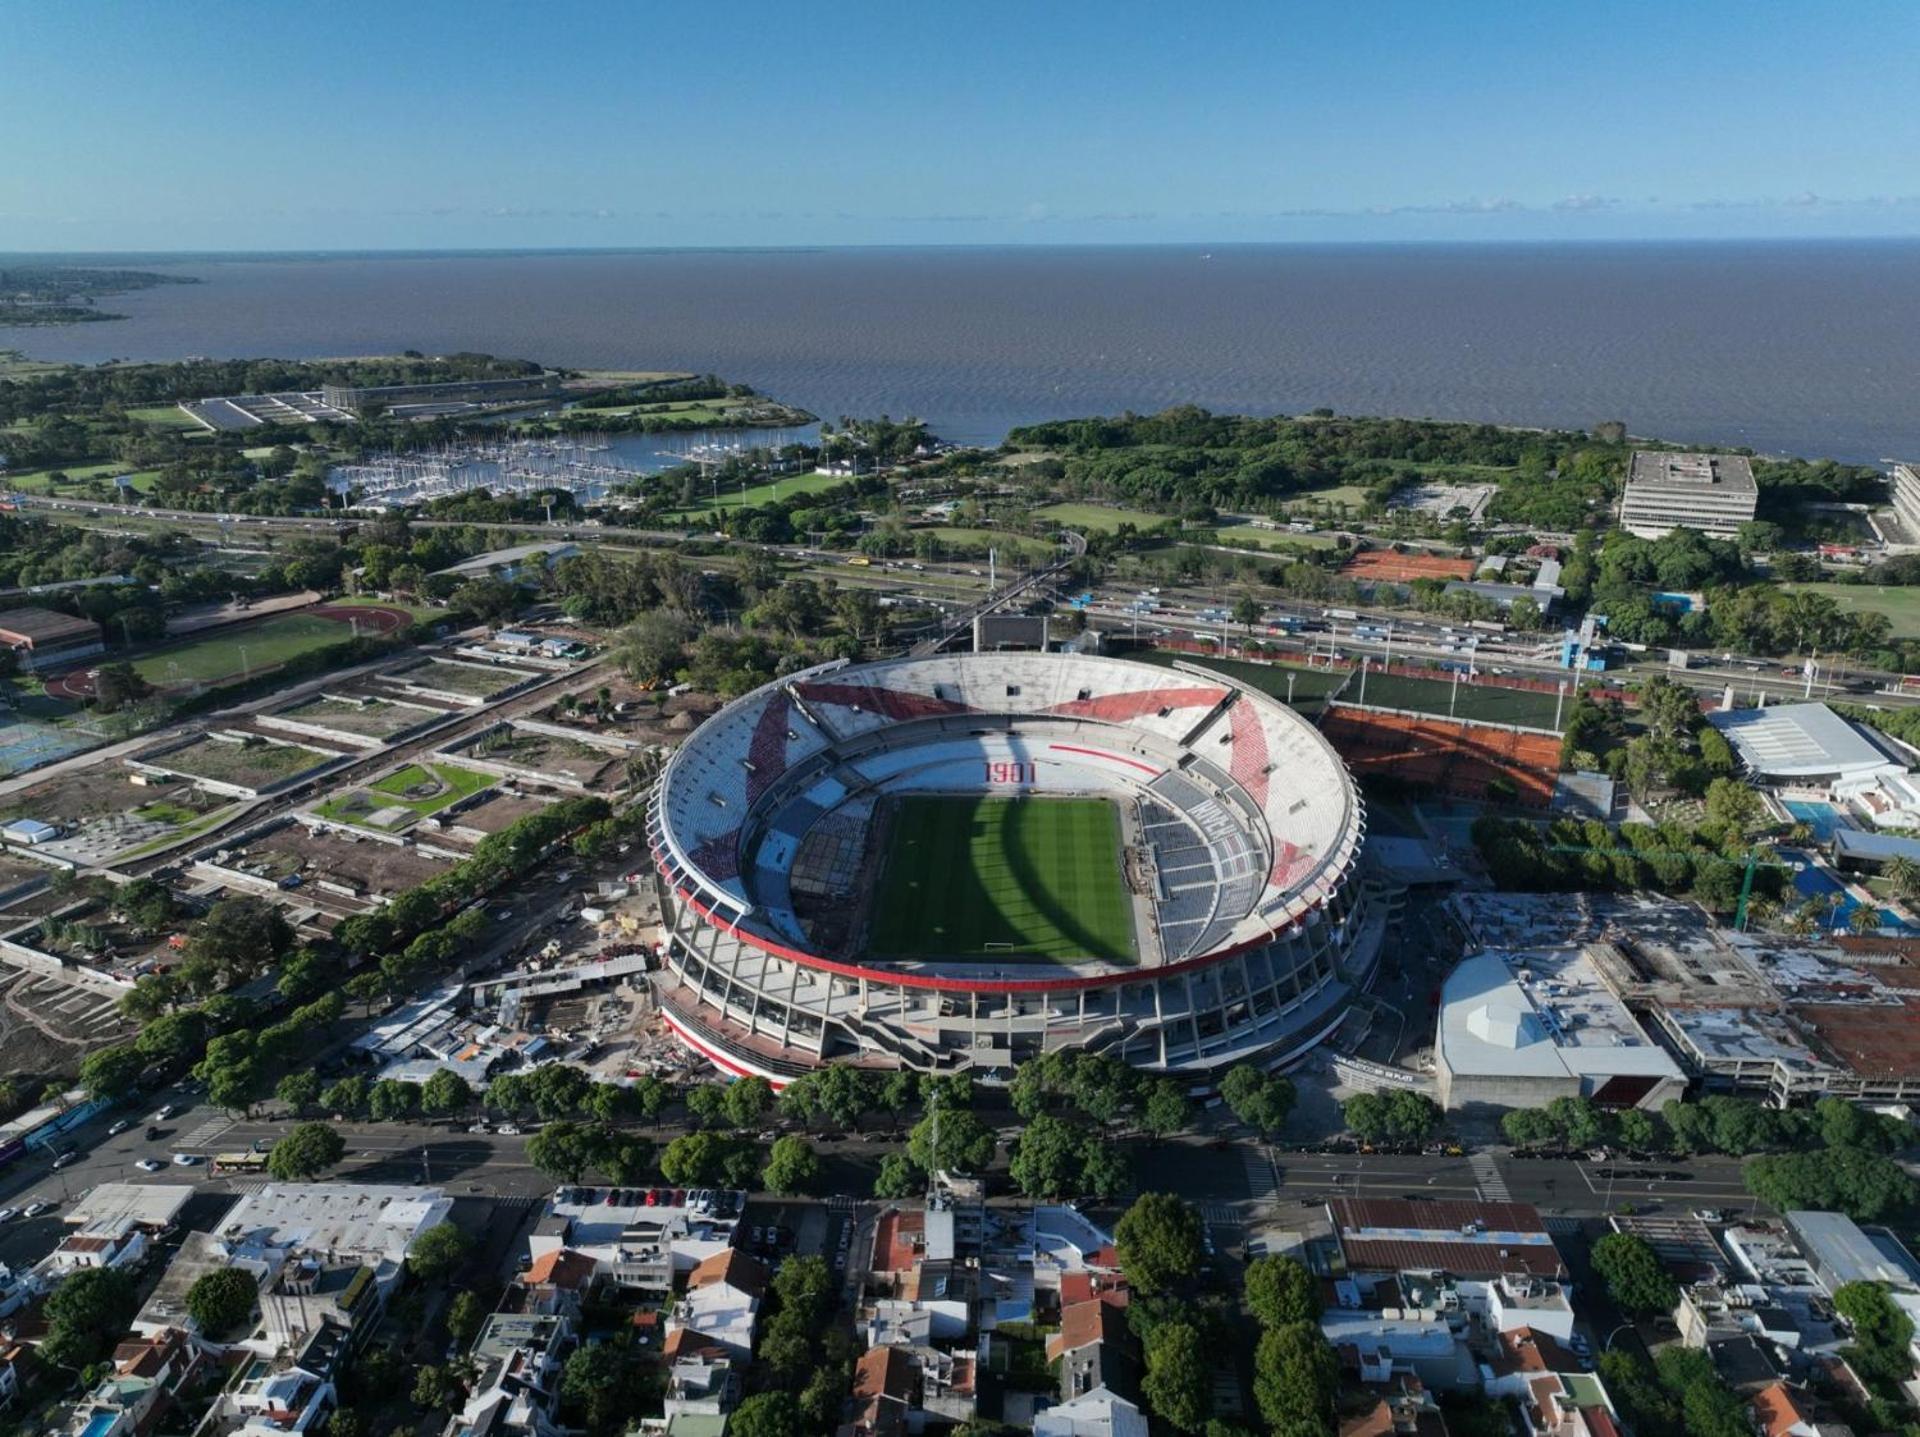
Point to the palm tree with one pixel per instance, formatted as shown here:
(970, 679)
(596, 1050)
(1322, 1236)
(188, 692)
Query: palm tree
(1864, 919)
(1801, 921)
(1903, 874)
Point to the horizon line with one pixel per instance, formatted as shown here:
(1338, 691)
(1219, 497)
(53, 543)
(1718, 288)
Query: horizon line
(804, 247)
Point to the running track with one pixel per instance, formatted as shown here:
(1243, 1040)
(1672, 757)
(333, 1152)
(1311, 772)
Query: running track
(75, 685)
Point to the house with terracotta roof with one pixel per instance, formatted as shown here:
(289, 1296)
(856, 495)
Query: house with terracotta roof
(721, 1307)
(1406, 1409)
(884, 1385)
(148, 1374)
(1520, 1356)
(1094, 1348)
(1783, 1411)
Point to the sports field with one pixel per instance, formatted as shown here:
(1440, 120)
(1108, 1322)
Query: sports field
(1014, 879)
(240, 651)
(1484, 702)
(1901, 605)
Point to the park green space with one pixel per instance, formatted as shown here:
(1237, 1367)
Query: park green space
(980, 540)
(1101, 518)
(1351, 495)
(79, 476)
(423, 788)
(166, 415)
(703, 411)
(1247, 536)
(239, 652)
(1012, 879)
(782, 488)
(374, 601)
(1900, 605)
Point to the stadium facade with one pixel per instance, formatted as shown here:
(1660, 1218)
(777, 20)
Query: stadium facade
(1239, 834)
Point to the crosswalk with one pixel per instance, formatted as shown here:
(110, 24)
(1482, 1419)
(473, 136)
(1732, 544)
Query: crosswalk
(207, 1134)
(1223, 1213)
(1486, 1172)
(1258, 1161)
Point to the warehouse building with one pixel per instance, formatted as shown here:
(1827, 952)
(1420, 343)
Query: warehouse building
(1518, 1030)
(46, 639)
(1712, 493)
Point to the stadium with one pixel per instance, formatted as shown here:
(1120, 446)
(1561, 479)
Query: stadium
(961, 861)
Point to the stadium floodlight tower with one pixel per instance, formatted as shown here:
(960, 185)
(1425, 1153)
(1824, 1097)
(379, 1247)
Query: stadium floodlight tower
(958, 861)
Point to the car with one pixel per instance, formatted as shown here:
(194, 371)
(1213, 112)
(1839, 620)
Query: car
(149, 1165)
(66, 1159)
(509, 1130)
(1708, 1214)
(8, 1214)
(119, 1127)
(184, 1160)
(501, 915)
(165, 1111)
(36, 1207)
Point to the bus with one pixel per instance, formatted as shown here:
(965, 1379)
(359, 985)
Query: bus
(235, 1164)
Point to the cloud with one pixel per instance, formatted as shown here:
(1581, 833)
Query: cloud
(1576, 204)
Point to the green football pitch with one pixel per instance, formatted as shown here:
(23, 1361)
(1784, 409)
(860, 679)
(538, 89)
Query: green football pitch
(1023, 879)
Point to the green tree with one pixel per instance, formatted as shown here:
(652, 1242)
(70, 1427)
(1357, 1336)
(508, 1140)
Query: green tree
(111, 1072)
(466, 1315)
(1295, 1376)
(1159, 1242)
(438, 1389)
(86, 1314)
(437, 1252)
(307, 1150)
(240, 937)
(220, 1301)
(392, 1101)
(966, 1143)
(598, 1383)
(1525, 1127)
(298, 1090)
(792, 1168)
(563, 1151)
(1279, 1291)
(445, 1092)
(1882, 1334)
(1048, 1158)
(1178, 1384)
(747, 1101)
(897, 1177)
(1631, 1270)
(346, 1096)
(1164, 1109)
(767, 1414)
(1259, 1099)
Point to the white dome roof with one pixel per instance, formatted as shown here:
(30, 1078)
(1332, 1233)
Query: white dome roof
(1506, 1025)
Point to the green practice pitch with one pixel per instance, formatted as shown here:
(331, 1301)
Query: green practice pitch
(1020, 879)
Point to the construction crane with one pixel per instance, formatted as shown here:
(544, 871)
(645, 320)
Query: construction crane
(1750, 863)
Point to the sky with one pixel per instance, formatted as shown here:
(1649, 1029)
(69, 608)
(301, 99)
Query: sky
(414, 124)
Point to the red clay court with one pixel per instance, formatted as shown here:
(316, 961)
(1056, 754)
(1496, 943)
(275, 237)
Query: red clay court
(1455, 758)
(1385, 566)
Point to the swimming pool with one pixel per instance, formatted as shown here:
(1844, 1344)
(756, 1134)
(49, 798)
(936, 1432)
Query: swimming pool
(1818, 883)
(1822, 818)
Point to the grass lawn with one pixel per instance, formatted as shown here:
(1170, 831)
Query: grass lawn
(1309, 686)
(420, 788)
(704, 411)
(1101, 518)
(168, 416)
(40, 481)
(219, 657)
(984, 539)
(783, 488)
(1246, 536)
(1901, 605)
(1473, 701)
(253, 763)
(1012, 878)
(1352, 495)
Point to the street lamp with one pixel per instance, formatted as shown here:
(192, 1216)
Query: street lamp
(1607, 1346)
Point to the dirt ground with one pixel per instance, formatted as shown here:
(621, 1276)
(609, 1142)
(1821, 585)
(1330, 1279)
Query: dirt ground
(497, 810)
(371, 865)
(47, 1026)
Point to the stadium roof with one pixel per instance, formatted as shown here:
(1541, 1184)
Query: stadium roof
(38, 626)
(1562, 1023)
(1801, 741)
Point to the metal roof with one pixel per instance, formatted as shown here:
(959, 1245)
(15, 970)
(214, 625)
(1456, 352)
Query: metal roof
(1800, 740)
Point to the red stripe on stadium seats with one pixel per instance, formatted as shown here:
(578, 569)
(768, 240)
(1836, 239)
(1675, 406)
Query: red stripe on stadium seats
(1099, 753)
